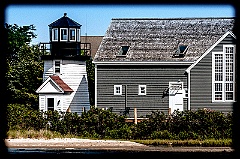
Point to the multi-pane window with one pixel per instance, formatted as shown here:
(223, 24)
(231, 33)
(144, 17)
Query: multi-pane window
(142, 90)
(55, 34)
(57, 67)
(223, 81)
(117, 89)
(72, 34)
(63, 34)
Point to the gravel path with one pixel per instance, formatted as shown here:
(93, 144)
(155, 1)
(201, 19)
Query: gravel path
(73, 143)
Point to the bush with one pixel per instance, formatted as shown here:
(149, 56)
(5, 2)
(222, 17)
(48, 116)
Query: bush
(98, 123)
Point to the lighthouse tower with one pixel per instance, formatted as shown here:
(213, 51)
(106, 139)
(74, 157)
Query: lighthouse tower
(65, 84)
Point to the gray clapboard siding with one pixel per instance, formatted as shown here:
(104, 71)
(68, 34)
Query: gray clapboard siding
(201, 82)
(156, 79)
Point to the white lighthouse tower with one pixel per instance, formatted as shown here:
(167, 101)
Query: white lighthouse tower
(65, 84)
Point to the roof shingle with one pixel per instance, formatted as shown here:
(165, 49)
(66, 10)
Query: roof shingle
(158, 39)
(61, 83)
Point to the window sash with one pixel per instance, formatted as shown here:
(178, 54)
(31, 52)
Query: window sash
(223, 74)
(55, 34)
(142, 90)
(72, 34)
(117, 89)
(64, 33)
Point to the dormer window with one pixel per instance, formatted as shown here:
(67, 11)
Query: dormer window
(64, 33)
(123, 50)
(55, 34)
(180, 52)
(72, 34)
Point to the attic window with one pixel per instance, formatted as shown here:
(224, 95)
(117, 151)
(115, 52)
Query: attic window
(123, 50)
(180, 52)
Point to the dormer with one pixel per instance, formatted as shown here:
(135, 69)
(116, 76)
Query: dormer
(181, 51)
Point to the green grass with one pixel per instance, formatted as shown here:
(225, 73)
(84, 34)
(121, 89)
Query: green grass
(45, 134)
(203, 143)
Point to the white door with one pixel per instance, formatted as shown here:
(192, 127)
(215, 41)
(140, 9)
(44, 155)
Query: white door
(176, 96)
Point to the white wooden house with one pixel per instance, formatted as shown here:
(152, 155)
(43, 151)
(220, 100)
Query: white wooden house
(65, 86)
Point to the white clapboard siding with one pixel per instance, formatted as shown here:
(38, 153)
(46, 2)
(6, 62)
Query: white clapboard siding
(42, 103)
(48, 69)
(59, 102)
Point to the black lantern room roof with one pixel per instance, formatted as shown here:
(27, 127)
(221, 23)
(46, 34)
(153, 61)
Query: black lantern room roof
(64, 22)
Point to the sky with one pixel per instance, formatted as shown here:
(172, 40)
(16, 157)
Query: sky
(95, 19)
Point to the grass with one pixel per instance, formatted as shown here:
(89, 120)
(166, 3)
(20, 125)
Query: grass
(202, 143)
(46, 134)
(42, 134)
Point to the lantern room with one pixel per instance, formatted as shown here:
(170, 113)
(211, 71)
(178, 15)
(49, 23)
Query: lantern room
(65, 40)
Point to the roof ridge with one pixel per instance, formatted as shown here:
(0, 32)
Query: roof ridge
(184, 18)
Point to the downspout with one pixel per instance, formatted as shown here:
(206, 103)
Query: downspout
(188, 87)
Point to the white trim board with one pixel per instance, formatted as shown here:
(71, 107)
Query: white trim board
(209, 50)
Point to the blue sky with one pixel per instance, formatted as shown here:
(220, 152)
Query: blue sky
(95, 19)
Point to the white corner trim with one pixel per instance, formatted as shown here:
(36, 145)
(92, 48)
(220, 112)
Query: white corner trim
(209, 50)
(95, 85)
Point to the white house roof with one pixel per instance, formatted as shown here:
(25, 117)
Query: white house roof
(157, 40)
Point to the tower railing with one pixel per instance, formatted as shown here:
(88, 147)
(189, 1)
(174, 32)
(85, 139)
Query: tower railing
(83, 50)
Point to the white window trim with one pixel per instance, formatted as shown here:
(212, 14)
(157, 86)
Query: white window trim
(139, 89)
(53, 34)
(54, 67)
(115, 90)
(78, 35)
(61, 34)
(74, 34)
(224, 75)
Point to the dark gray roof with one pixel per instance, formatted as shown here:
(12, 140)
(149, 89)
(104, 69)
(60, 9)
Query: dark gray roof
(158, 39)
(64, 22)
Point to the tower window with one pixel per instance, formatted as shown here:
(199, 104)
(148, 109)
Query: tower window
(117, 89)
(72, 34)
(123, 50)
(64, 34)
(78, 35)
(57, 67)
(55, 34)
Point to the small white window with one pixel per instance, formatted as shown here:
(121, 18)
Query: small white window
(64, 33)
(117, 89)
(142, 90)
(55, 34)
(72, 34)
(57, 65)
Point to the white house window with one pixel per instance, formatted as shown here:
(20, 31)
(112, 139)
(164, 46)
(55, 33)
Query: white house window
(57, 67)
(55, 34)
(72, 34)
(223, 77)
(64, 33)
(117, 89)
(142, 90)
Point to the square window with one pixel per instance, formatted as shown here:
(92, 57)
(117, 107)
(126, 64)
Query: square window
(142, 90)
(117, 89)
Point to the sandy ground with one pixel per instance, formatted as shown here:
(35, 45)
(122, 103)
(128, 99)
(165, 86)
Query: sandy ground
(73, 143)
